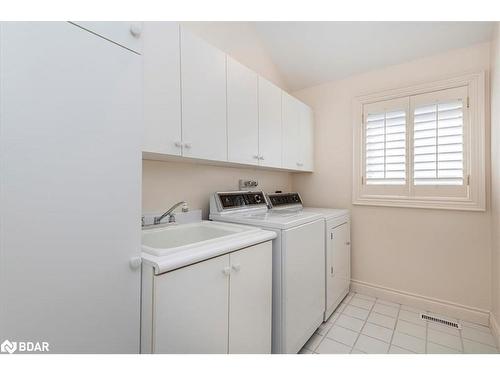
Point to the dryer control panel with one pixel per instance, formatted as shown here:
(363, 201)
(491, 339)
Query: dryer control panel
(284, 200)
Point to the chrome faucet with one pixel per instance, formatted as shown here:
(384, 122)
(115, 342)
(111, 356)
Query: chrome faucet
(170, 213)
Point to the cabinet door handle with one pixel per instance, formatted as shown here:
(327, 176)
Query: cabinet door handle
(178, 144)
(256, 157)
(226, 271)
(135, 30)
(348, 243)
(261, 157)
(236, 267)
(135, 262)
(187, 145)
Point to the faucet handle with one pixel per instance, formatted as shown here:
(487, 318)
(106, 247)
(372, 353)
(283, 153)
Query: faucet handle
(185, 207)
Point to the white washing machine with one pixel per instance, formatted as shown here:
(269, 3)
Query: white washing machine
(337, 245)
(298, 263)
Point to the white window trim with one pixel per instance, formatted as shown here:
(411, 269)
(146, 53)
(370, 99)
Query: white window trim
(476, 200)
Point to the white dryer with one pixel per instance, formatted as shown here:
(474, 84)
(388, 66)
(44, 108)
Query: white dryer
(298, 263)
(337, 245)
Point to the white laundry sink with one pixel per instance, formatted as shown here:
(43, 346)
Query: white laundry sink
(177, 238)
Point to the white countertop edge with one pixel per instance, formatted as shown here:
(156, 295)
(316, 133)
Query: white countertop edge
(167, 263)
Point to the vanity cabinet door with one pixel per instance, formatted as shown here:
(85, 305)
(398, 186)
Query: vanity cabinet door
(191, 308)
(250, 296)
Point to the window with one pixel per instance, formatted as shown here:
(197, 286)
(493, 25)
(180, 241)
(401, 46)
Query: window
(422, 146)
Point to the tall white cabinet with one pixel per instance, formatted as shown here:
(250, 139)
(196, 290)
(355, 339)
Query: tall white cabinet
(70, 193)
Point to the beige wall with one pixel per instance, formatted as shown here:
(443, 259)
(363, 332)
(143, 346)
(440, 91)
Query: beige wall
(437, 254)
(240, 41)
(165, 183)
(495, 173)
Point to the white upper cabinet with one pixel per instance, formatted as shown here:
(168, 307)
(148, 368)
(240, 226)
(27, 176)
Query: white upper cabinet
(298, 137)
(203, 83)
(306, 137)
(162, 88)
(242, 113)
(202, 104)
(269, 124)
(291, 132)
(125, 33)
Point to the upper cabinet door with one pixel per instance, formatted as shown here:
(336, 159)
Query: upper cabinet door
(162, 90)
(242, 113)
(203, 82)
(291, 132)
(270, 144)
(124, 33)
(306, 137)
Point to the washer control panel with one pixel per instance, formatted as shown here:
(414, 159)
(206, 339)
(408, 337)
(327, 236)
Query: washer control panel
(241, 199)
(284, 200)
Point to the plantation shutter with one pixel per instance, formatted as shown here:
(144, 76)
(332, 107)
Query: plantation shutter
(439, 130)
(385, 146)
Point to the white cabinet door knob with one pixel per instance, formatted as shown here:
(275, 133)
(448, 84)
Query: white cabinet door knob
(187, 145)
(226, 271)
(348, 243)
(236, 267)
(261, 157)
(135, 262)
(178, 144)
(135, 30)
(256, 156)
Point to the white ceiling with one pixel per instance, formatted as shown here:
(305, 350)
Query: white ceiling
(310, 53)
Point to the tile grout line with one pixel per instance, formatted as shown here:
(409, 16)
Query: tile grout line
(346, 302)
(323, 337)
(363, 326)
(394, 328)
(461, 340)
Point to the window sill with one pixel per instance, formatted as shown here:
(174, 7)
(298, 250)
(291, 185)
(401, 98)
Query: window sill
(435, 204)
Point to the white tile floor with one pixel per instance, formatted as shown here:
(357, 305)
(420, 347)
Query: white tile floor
(364, 324)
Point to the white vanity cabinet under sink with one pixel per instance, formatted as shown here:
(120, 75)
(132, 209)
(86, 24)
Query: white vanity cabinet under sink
(214, 297)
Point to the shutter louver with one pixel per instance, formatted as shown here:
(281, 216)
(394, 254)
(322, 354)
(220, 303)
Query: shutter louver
(385, 148)
(438, 144)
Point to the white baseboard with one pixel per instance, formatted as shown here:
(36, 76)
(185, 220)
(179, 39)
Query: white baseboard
(495, 329)
(447, 308)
